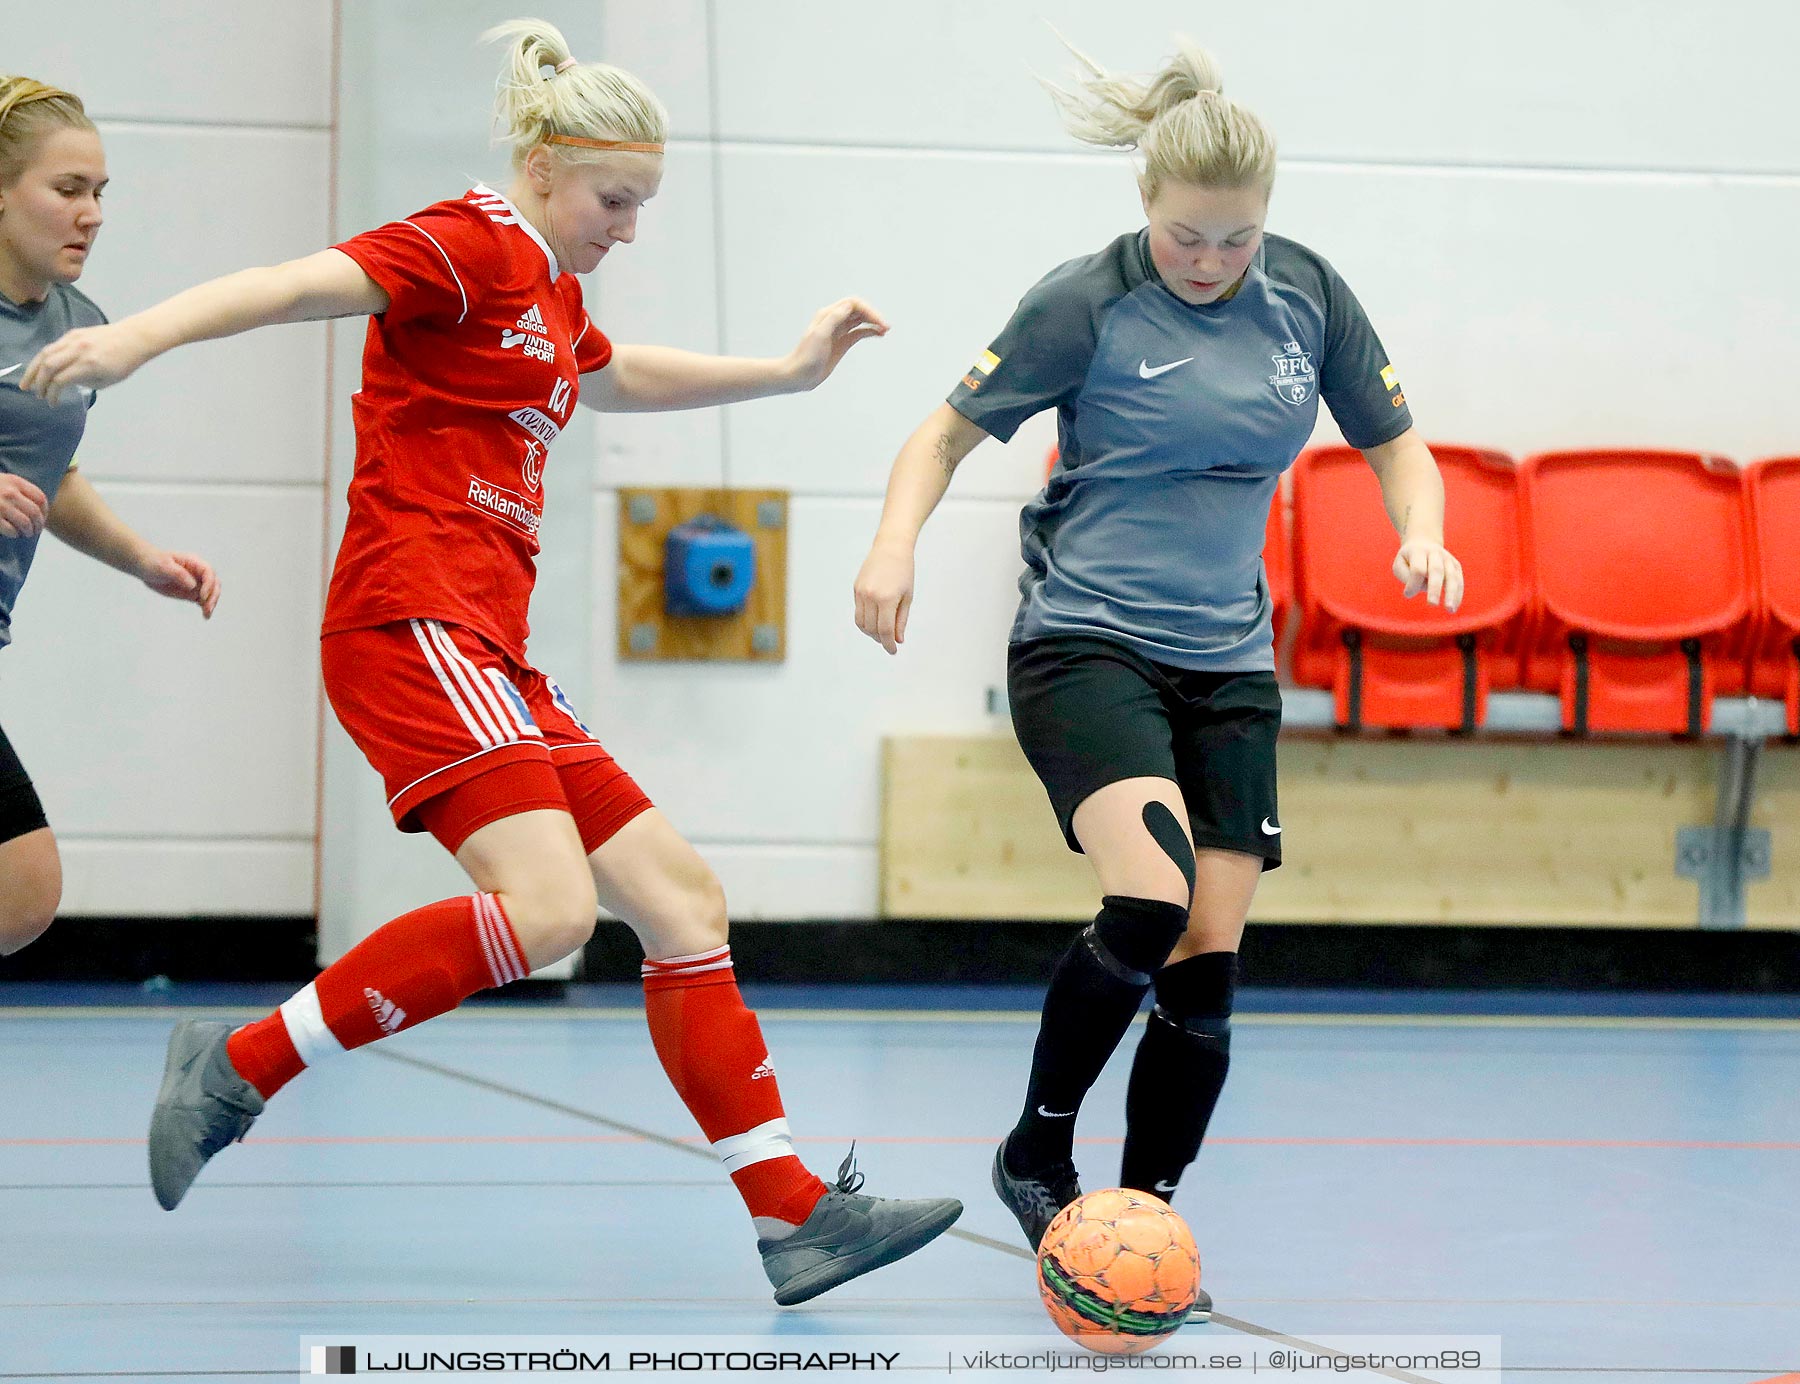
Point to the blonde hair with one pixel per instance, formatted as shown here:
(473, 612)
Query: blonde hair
(29, 110)
(1180, 121)
(582, 100)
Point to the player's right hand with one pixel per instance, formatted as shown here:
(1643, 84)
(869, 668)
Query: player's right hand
(884, 592)
(23, 507)
(90, 356)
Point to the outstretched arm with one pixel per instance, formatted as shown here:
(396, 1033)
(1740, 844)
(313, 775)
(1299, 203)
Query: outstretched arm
(328, 284)
(649, 379)
(1413, 492)
(80, 518)
(921, 475)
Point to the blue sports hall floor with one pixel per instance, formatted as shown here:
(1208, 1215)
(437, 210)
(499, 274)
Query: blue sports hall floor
(1610, 1185)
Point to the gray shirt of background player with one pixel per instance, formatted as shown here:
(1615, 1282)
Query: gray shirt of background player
(1175, 423)
(36, 441)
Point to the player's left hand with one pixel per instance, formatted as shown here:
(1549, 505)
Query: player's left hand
(183, 577)
(833, 332)
(1429, 567)
(87, 357)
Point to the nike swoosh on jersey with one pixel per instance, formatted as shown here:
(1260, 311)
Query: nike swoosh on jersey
(1269, 830)
(1147, 371)
(1165, 1186)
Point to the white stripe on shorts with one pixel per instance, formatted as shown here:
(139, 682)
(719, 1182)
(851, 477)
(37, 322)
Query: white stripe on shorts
(482, 738)
(305, 1024)
(474, 686)
(768, 1140)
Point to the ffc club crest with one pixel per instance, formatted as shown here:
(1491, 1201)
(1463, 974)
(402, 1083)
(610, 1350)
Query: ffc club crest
(532, 468)
(1294, 378)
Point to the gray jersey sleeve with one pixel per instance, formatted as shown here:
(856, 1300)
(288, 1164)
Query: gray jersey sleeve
(1357, 382)
(1042, 356)
(1037, 362)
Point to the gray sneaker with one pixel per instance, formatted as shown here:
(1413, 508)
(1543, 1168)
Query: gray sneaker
(849, 1234)
(203, 1106)
(1034, 1201)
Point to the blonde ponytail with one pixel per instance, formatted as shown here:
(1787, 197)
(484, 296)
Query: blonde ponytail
(545, 96)
(1180, 121)
(29, 110)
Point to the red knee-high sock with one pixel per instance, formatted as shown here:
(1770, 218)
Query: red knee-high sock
(712, 1048)
(420, 965)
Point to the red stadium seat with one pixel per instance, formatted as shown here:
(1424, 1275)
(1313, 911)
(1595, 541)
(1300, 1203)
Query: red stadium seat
(1774, 490)
(1278, 565)
(1390, 661)
(1641, 571)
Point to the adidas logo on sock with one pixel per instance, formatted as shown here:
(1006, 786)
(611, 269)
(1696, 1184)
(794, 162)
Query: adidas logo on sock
(763, 1068)
(532, 321)
(388, 1014)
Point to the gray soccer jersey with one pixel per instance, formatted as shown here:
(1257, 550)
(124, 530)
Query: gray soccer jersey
(36, 441)
(1175, 423)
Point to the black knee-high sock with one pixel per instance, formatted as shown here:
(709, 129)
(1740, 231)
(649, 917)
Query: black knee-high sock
(1179, 1071)
(1094, 995)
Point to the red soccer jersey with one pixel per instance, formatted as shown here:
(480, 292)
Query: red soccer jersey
(468, 377)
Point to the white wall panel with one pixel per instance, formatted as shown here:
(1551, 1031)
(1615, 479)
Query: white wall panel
(187, 60)
(944, 245)
(136, 717)
(663, 289)
(167, 878)
(752, 754)
(1540, 81)
(666, 45)
(792, 883)
(1523, 309)
(183, 207)
(1537, 310)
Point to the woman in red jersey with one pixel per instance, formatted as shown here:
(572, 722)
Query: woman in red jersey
(477, 350)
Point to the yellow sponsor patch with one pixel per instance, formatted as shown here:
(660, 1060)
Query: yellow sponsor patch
(980, 370)
(1388, 377)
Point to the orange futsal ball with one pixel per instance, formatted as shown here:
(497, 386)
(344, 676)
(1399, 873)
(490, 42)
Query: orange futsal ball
(1118, 1271)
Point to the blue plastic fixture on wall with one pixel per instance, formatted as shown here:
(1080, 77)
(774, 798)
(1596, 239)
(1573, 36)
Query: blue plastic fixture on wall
(708, 567)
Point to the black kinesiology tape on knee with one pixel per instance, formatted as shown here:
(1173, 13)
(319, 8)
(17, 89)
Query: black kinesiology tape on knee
(1133, 937)
(1196, 996)
(1167, 833)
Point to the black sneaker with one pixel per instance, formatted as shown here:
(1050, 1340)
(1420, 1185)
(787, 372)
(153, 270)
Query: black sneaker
(1035, 1200)
(848, 1234)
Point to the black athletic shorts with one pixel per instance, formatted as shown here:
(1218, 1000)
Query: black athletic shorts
(1090, 712)
(20, 810)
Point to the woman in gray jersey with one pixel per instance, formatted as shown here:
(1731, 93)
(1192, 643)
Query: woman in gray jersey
(52, 170)
(1185, 362)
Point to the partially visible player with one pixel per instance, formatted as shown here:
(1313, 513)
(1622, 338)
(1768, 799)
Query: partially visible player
(477, 351)
(52, 173)
(1185, 361)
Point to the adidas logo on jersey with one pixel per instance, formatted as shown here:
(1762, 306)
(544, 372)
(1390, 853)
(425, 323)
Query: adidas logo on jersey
(387, 1014)
(763, 1068)
(531, 334)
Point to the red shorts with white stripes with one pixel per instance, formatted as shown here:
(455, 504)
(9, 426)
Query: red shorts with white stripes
(434, 707)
